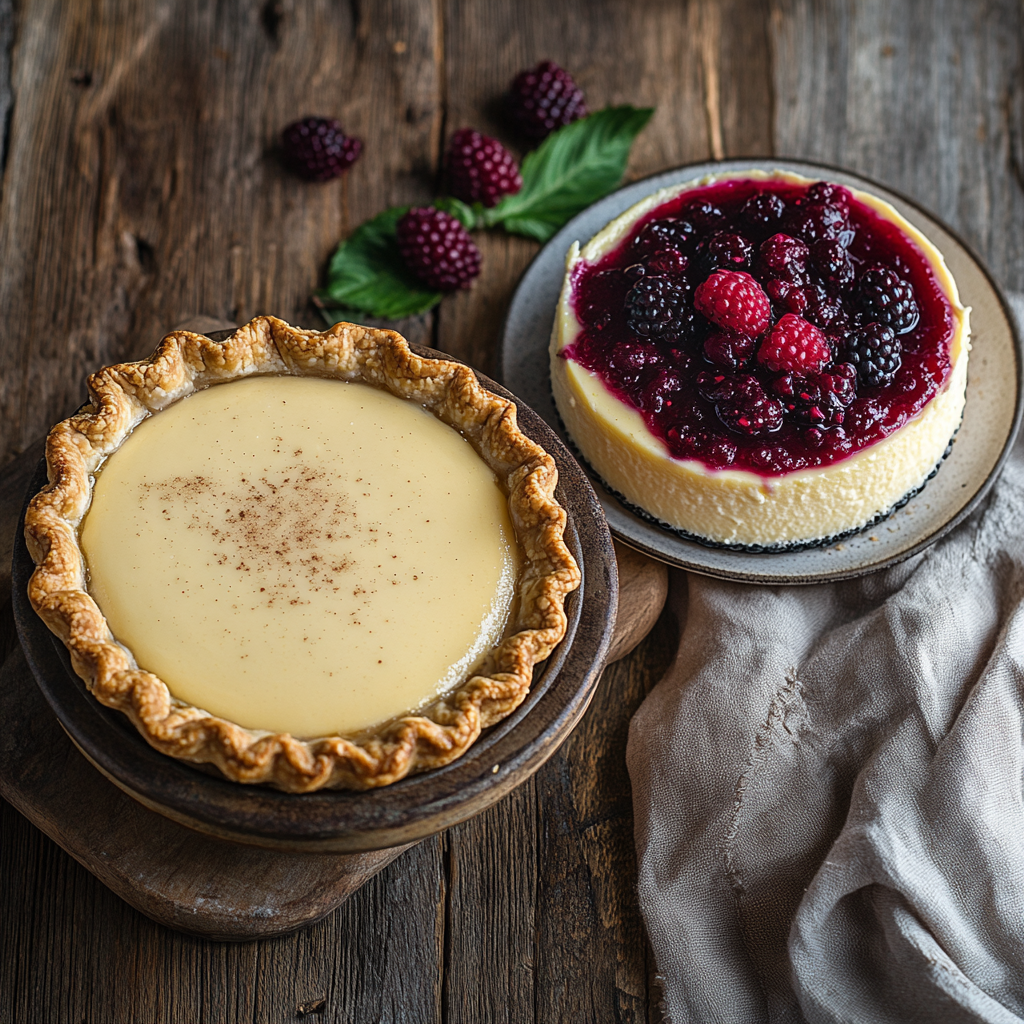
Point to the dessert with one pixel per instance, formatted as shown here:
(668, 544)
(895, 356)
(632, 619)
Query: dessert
(760, 361)
(310, 559)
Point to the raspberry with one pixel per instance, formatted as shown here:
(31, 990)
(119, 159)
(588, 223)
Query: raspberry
(795, 345)
(886, 298)
(726, 250)
(317, 149)
(735, 301)
(763, 210)
(543, 99)
(437, 249)
(741, 403)
(653, 304)
(728, 348)
(480, 169)
(817, 399)
(875, 351)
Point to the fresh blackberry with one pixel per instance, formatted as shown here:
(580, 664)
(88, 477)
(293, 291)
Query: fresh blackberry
(653, 304)
(833, 264)
(666, 233)
(725, 250)
(885, 297)
(544, 98)
(437, 249)
(317, 149)
(875, 352)
(480, 169)
(763, 211)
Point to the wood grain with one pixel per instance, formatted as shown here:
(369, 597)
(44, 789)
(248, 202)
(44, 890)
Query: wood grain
(526, 913)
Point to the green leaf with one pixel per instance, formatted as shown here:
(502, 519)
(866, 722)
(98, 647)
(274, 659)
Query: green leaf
(571, 169)
(367, 274)
(470, 216)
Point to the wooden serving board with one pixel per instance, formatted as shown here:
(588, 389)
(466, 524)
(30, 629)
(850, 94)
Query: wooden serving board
(183, 879)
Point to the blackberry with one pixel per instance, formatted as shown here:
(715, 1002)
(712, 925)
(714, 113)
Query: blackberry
(875, 352)
(668, 261)
(666, 233)
(653, 304)
(828, 192)
(885, 297)
(816, 221)
(783, 258)
(317, 149)
(833, 264)
(704, 215)
(817, 399)
(437, 249)
(661, 391)
(725, 250)
(763, 211)
(480, 169)
(729, 348)
(741, 403)
(544, 98)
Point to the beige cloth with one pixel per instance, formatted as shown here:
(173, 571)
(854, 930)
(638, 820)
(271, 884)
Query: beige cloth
(827, 790)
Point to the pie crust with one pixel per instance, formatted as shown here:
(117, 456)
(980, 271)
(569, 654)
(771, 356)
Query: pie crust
(125, 394)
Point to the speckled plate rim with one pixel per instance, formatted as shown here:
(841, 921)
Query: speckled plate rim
(978, 456)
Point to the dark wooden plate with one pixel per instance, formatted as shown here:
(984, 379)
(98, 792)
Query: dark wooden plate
(342, 821)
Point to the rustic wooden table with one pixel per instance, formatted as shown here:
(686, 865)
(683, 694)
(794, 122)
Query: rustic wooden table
(140, 187)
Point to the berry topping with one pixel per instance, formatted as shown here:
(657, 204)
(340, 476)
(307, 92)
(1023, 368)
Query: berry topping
(735, 301)
(875, 352)
(725, 250)
(795, 345)
(741, 403)
(543, 99)
(729, 348)
(886, 298)
(763, 210)
(437, 249)
(317, 149)
(719, 323)
(480, 169)
(654, 305)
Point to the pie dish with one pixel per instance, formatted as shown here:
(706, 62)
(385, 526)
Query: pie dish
(127, 397)
(798, 481)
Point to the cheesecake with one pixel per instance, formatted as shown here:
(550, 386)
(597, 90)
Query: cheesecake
(308, 559)
(760, 361)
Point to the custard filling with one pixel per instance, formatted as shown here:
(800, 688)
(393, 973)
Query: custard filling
(301, 555)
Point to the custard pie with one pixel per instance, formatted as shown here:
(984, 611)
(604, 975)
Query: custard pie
(309, 559)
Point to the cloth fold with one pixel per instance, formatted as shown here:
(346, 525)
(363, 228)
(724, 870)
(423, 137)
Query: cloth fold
(827, 790)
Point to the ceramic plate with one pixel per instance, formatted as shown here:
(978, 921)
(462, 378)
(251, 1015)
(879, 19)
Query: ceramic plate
(991, 417)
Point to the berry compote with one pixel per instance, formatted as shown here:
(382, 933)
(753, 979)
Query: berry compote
(765, 325)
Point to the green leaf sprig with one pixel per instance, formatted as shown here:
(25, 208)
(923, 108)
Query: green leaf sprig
(572, 168)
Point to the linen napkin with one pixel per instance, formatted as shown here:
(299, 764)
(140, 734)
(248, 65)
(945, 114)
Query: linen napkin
(827, 790)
